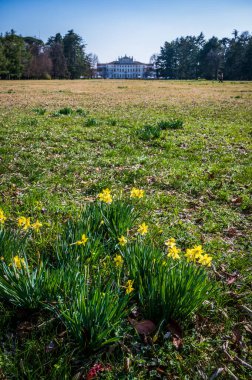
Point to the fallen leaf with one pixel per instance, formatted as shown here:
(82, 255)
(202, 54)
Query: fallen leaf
(231, 232)
(95, 370)
(232, 278)
(145, 327)
(176, 333)
(177, 342)
(237, 201)
(127, 363)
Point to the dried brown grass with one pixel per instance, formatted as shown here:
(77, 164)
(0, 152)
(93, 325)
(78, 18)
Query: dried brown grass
(114, 93)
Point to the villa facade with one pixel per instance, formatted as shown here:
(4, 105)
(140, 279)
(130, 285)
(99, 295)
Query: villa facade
(125, 68)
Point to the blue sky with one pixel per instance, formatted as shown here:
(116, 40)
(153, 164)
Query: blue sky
(134, 27)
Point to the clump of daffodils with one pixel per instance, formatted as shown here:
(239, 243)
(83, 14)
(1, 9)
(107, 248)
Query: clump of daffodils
(136, 193)
(2, 217)
(105, 196)
(25, 224)
(195, 254)
(173, 251)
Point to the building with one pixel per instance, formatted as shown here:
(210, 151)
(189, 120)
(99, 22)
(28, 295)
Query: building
(125, 68)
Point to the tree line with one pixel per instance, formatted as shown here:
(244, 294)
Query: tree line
(193, 57)
(189, 57)
(30, 58)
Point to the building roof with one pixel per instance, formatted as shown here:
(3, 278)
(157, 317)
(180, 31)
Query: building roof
(124, 61)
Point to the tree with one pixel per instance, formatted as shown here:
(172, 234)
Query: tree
(56, 52)
(15, 53)
(211, 59)
(247, 61)
(74, 52)
(179, 59)
(92, 64)
(3, 60)
(166, 61)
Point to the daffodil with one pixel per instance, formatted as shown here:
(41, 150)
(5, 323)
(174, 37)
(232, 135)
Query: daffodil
(36, 226)
(24, 222)
(192, 254)
(136, 193)
(142, 229)
(198, 251)
(170, 242)
(82, 241)
(173, 252)
(129, 288)
(118, 261)
(18, 262)
(105, 196)
(2, 217)
(205, 260)
(122, 241)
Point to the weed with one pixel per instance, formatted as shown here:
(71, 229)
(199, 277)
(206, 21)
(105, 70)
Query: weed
(149, 132)
(39, 110)
(170, 124)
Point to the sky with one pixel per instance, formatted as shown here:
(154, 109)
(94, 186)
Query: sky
(137, 28)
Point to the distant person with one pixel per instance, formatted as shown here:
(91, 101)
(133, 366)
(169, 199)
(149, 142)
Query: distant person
(220, 77)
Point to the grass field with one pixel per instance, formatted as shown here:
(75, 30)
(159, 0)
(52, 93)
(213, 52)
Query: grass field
(187, 144)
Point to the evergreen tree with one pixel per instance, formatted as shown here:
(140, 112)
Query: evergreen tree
(56, 51)
(74, 51)
(16, 55)
(211, 59)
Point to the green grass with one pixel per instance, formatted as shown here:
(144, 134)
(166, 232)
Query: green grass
(61, 149)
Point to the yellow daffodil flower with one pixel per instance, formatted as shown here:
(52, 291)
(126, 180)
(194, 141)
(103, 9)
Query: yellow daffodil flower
(205, 260)
(118, 261)
(2, 217)
(142, 229)
(129, 287)
(18, 262)
(136, 193)
(24, 222)
(82, 241)
(194, 253)
(105, 196)
(170, 242)
(198, 251)
(122, 241)
(173, 252)
(36, 226)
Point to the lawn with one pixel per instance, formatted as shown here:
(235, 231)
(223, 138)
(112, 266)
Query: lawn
(187, 145)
